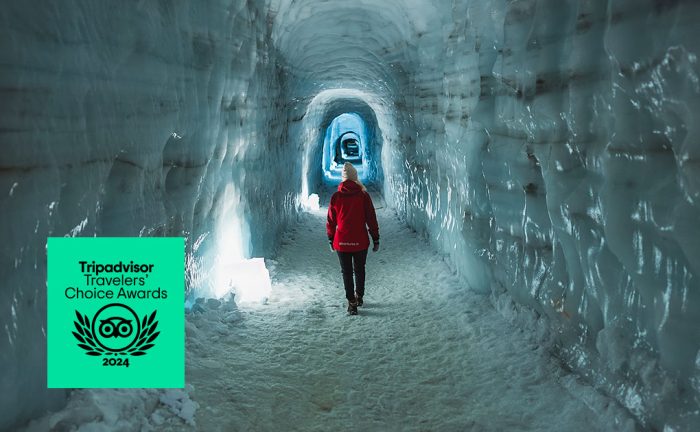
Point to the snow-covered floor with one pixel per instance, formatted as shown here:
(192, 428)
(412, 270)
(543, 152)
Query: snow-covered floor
(423, 354)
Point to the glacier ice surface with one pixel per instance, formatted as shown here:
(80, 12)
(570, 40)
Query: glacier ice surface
(549, 148)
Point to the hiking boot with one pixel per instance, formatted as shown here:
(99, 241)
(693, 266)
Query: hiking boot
(352, 308)
(359, 301)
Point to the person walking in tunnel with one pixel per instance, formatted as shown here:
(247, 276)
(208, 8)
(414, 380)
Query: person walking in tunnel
(350, 216)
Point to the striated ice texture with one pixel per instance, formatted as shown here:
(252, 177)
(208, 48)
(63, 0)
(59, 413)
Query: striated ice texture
(549, 148)
(138, 119)
(556, 160)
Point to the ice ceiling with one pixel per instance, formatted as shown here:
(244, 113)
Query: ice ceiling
(549, 148)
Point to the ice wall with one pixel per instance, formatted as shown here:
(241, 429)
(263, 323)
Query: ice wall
(555, 160)
(130, 119)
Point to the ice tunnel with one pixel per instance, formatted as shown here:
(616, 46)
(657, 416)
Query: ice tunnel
(546, 150)
(345, 141)
(330, 115)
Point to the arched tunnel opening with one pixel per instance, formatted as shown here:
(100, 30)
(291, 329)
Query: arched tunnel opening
(349, 138)
(333, 115)
(346, 140)
(532, 165)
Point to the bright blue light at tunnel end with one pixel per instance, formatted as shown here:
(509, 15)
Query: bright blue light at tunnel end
(340, 126)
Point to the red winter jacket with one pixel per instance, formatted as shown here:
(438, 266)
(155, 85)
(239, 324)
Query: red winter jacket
(350, 210)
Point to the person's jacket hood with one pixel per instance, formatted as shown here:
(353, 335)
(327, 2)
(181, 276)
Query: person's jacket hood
(349, 187)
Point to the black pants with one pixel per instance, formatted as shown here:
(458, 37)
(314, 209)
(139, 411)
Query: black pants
(350, 261)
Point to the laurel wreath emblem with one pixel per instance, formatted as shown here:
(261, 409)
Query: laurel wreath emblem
(144, 341)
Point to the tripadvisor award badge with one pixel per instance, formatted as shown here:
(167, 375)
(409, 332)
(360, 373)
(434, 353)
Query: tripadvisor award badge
(116, 312)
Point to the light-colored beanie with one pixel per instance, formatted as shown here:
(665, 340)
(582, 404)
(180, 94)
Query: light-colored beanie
(350, 173)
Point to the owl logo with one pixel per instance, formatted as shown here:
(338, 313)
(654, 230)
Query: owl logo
(115, 327)
(116, 330)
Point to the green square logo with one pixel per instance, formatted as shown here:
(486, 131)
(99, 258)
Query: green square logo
(116, 316)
